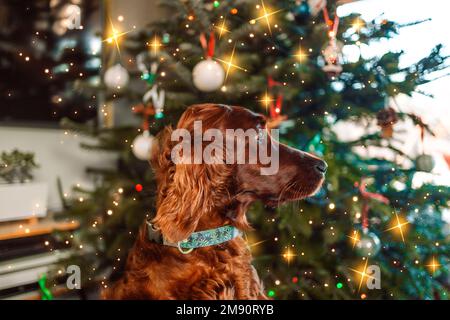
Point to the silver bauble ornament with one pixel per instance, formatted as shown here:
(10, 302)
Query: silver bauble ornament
(208, 75)
(425, 163)
(143, 145)
(368, 244)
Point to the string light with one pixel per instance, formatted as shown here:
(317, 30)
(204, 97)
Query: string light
(288, 255)
(357, 24)
(300, 55)
(155, 45)
(398, 225)
(433, 265)
(266, 15)
(355, 238)
(222, 28)
(362, 273)
(230, 63)
(115, 36)
(266, 100)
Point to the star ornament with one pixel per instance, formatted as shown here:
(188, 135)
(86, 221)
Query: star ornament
(361, 273)
(266, 16)
(399, 225)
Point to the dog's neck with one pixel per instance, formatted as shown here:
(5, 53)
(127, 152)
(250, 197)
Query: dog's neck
(233, 214)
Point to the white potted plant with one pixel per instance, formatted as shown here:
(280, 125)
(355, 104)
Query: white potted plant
(20, 198)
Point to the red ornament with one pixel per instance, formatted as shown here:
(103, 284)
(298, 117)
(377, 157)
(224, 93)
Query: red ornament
(139, 187)
(294, 279)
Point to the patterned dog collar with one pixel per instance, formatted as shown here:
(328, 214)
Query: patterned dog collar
(198, 239)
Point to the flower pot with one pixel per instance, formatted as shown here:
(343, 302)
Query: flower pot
(23, 200)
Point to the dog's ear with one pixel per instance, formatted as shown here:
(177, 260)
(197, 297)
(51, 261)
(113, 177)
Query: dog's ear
(187, 197)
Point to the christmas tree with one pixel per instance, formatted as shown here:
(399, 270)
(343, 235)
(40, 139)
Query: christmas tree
(285, 60)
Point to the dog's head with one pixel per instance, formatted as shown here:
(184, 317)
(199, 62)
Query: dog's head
(195, 192)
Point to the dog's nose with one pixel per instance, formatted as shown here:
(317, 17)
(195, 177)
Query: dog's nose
(321, 167)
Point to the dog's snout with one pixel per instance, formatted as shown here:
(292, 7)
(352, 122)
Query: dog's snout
(321, 166)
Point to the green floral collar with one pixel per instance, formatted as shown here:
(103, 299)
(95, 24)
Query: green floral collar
(196, 240)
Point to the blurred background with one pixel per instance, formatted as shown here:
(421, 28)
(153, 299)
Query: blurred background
(86, 86)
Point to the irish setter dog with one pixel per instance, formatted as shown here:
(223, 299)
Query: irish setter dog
(195, 197)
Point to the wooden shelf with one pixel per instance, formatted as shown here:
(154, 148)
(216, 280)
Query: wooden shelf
(34, 227)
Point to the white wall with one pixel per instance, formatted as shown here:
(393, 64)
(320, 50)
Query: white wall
(58, 154)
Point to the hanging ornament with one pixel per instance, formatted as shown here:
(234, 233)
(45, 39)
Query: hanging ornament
(368, 244)
(142, 145)
(315, 6)
(116, 77)
(386, 119)
(157, 100)
(165, 38)
(148, 76)
(331, 54)
(275, 105)
(332, 51)
(424, 162)
(301, 12)
(208, 75)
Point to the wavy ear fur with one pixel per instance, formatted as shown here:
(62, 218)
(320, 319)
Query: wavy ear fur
(186, 192)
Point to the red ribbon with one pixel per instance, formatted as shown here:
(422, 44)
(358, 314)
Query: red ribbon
(275, 108)
(365, 207)
(332, 25)
(146, 111)
(208, 46)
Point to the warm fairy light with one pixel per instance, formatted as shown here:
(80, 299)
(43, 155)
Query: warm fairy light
(354, 238)
(300, 55)
(222, 28)
(230, 63)
(288, 255)
(357, 24)
(362, 274)
(155, 45)
(266, 100)
(399, 225)
(115, 36)
(266, 16)
(433, 265)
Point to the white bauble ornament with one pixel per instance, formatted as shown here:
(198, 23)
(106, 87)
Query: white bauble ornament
(142, 146)
(208, 75)
(315, 6)
(116, 77)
